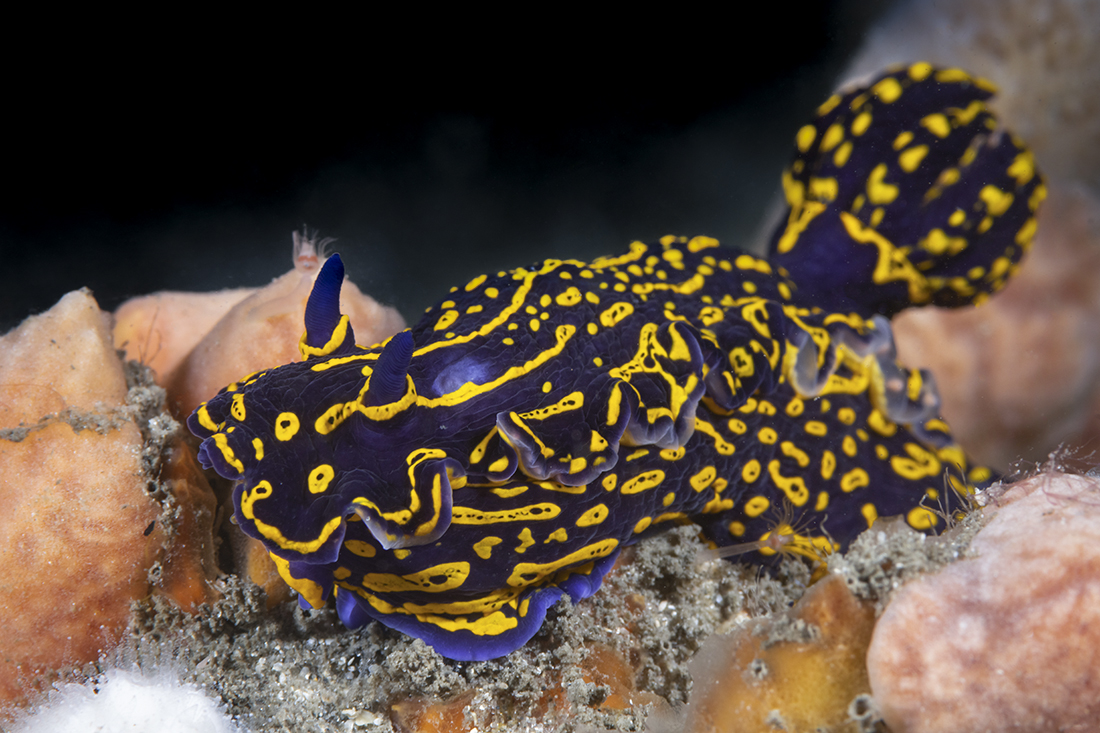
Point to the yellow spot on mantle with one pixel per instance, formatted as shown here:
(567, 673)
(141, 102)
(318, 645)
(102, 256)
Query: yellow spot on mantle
(484, 546)
(996, 200)
(937, 124)
(525, 540)
(920, 71)
(911, 158)
(888, 90)
(861, 123)
(805, 137)
(878, 190)
(832, 137)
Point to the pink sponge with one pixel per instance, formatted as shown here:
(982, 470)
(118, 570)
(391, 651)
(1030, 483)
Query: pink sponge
(1008, 640)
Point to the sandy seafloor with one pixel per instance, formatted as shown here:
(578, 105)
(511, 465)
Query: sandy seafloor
(303, 671)
(295, 670)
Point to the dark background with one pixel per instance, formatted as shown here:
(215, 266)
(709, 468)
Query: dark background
(131, 166)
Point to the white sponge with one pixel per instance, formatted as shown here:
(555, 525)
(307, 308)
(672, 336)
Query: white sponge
(125, 702)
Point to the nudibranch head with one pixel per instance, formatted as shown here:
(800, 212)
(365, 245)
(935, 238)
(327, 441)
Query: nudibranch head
(294, 442)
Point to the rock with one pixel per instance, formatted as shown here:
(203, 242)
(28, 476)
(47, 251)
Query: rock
(60, 359)
(1006, 640)
(72, 492)
(188, 563)
(86, 515)
(161, 329)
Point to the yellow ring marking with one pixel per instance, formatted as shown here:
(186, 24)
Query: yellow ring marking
(529, 573)
(236, 409)
(805, 137)
(308, 589)
(509, 493)
(204, 419)
(570, 296)
(816, 428)
(222, 442)
(320, 477)
(532, 512)
(756, 506)
(286, 426)
(360, 548)
(453, 575)
(793, 486)
(921, 518)
(832, 137)
(870, 514)
(525, 540)
(911, 159)
(595, 515)
(643, 482)
(703, 479)
(828, 464)
(445, 320)
(720, 444)
(616, 313)
(262, 490)
(854, 479)
(484, 546)
(888, 89)
(790, 450)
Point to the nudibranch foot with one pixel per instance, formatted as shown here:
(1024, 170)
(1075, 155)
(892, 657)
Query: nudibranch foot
(456, 480)
(477, 636)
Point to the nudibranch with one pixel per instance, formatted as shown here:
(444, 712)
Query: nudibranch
(454, 481)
